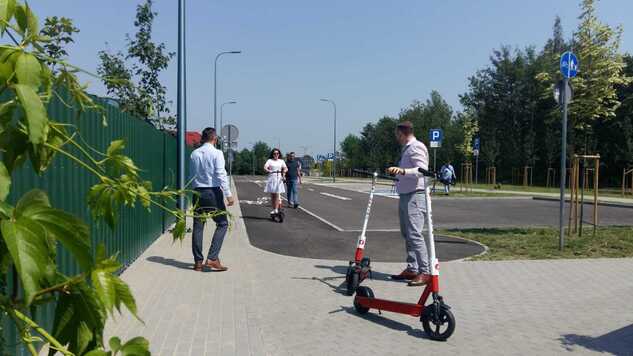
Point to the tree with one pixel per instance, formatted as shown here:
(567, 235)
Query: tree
(58, 32)
(32, 229)
(244, 162)
(615, 136)
(549, 125)
(147, 98)
(469, 130)
(352, 149)
(601, 71)
(378, 143)
(262, 152)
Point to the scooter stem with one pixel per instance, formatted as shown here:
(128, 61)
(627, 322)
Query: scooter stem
(433, 262)
(360, 245)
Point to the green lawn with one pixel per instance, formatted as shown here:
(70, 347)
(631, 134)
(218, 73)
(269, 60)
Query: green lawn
(542, 243)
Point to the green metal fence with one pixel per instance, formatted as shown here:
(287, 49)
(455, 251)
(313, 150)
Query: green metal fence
(67, 184)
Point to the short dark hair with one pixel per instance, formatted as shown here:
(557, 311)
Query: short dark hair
(405, 127)
(273, 151)
(291, 153)
(208, 134)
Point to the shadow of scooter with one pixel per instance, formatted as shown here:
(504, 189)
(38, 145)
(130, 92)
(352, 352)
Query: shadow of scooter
(342, 271)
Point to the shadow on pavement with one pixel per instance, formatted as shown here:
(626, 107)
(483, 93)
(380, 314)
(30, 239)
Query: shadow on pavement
(170, 262)
(340, 289)
(389, 323)
(342, 270)
(617, 342)
(254, 218)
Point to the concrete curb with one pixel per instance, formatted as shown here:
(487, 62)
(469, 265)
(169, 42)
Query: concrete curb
(467, 259)
(603, 203)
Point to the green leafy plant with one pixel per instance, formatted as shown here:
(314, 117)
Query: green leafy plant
(32, 229)
(147, 99)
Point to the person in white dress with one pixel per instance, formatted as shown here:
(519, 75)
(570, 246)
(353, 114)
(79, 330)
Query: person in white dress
(276, 168)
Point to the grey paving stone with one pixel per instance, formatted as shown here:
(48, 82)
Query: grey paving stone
(268, 304)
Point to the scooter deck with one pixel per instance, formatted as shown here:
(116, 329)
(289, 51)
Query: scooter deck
(390, 305)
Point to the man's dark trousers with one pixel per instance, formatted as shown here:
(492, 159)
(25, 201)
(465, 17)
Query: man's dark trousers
(210, 200)
(293, 192)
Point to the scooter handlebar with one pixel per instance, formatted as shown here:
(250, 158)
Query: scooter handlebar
(427, 173)
(376, 174)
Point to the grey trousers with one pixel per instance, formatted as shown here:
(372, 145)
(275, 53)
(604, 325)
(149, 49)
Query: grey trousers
(209, 200)
(412, 211)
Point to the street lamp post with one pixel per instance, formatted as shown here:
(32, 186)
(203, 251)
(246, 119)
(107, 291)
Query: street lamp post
(222, 120)
(334, 159)
(215, 85)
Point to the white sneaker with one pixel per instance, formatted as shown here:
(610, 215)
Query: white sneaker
(273, 212)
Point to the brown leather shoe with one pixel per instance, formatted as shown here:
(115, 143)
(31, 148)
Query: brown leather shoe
(215, 265)
(404, 275)
(420, 280)
(198, 266)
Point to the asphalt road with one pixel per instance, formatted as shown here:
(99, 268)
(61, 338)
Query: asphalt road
(329, 223)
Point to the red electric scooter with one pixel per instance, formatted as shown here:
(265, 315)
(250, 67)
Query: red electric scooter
(360, 267)
(436, 317)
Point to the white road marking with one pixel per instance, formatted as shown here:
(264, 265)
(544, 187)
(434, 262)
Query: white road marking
(335, 196)
(317, 217)
(266, 200)
(374, 230)
(310, 189)
(320, 219)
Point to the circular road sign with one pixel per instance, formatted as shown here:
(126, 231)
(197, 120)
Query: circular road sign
(569, 65)
(230, 131)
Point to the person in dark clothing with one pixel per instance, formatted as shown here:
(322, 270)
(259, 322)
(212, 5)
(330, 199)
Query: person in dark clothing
(293, 179)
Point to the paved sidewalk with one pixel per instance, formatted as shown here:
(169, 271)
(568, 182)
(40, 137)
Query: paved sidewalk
(268, 304)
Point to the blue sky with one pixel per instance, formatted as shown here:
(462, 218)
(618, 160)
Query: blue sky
(372, 57)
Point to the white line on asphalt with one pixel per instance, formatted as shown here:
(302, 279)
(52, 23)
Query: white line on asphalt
(310, 189)
(335, 196)
(375, 230)
(317, 217)
(320, 219)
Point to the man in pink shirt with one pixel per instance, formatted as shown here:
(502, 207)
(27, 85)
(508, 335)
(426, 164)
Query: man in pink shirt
(412, 207)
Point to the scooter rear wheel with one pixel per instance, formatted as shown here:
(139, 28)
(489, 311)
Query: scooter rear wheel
(434, 324)
(362, 292)
(352, 279)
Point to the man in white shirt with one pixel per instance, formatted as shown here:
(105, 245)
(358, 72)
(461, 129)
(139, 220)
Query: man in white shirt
(412, 205)
(210, 181)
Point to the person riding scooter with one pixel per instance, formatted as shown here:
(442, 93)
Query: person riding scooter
(412, 208)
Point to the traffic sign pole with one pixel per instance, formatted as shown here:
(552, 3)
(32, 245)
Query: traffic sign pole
(476, 169)
(563, 166)
(434, 160)
(569, 69)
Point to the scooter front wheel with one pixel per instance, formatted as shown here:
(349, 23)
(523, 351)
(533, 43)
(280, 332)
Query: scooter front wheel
(362, 292)
(438, 327)
(352, 279)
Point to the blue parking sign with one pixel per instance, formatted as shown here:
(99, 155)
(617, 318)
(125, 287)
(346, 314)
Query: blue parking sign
(436, 135)
(476, 144)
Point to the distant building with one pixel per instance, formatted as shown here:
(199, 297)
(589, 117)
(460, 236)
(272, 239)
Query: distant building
(192, 138)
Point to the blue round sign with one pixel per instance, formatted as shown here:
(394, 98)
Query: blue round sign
(569, 65)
